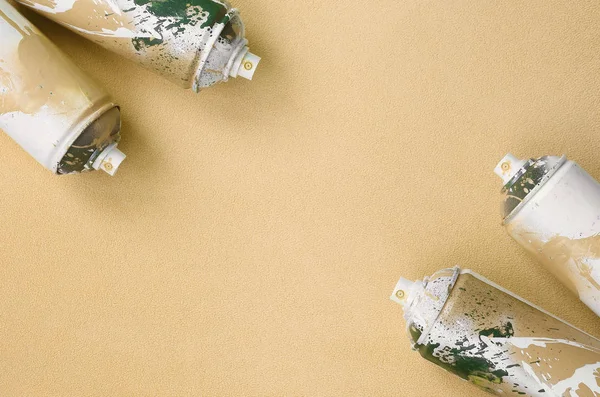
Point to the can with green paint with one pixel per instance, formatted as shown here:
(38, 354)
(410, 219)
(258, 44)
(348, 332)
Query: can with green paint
(51, 108)
(491, 337)
(194, 43)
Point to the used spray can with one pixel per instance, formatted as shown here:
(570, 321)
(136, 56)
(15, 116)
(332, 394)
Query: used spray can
(552, 208)
(49, 106)
(194, 43)
(489, 336)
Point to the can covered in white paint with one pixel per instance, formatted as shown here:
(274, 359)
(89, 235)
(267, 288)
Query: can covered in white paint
(194, 43)
(496, 340)
(50, 107)
(552, 208)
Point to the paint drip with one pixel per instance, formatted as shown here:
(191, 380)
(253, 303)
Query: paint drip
(194, 43)
(49, 106)
(494, 339)
(552, 208)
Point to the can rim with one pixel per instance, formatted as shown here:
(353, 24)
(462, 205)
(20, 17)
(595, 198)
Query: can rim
(517, 175)
(457, 271)
(534, 191)
(209, 45)
(78, 127)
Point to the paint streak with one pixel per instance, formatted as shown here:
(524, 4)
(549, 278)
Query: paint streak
(8, 100)
(13, 23)
(39, 78)
(524, 343)
(585, 381)
(102, 17)
(575, 262)
(575, 252)
(551, 355)
(50, 5)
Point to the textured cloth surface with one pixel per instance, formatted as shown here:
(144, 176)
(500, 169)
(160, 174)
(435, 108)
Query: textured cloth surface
(252, 252)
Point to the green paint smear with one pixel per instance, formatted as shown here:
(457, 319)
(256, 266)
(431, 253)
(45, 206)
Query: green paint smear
(140, 43)
(476, 369)
(503, 331)
(175, 15)
(415, 333)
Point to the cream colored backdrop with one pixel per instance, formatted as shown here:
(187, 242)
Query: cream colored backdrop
(249, 243)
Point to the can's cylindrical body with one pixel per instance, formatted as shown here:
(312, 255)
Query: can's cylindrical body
(487, 335)
(194, 43)
(552, 208)
(48, 105)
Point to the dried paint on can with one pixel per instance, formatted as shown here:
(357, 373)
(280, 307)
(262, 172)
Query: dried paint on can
(194, 43)
(494, 339)
(552, 208)
(48, 105)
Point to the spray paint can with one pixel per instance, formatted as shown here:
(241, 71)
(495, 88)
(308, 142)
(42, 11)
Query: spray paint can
(552, 208)
(194, 43)
(49, 106)
(489, 336)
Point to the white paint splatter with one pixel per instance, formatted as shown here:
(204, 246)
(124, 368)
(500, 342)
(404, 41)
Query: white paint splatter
(523, 342)
(587, 375)
(60, 6)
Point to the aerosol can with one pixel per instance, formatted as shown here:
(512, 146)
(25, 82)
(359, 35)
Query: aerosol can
(49, 106)
(496, 340)
(194, 43)
(552, 208)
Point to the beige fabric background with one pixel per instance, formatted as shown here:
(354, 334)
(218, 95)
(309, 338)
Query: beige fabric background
(249, 243)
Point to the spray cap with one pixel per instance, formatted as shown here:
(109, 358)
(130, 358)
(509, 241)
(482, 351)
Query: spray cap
(245, 64)
(508, 167)
(402, 291)
(109, 159)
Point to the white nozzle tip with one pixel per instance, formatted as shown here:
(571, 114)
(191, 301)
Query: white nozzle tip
(508, 167)
(401, 291)
(248, 65)
(109, 159)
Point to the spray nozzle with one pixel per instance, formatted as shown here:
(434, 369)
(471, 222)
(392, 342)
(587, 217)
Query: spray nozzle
(508, 167)
(109, 159)
(244, 65)
(402, 291)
